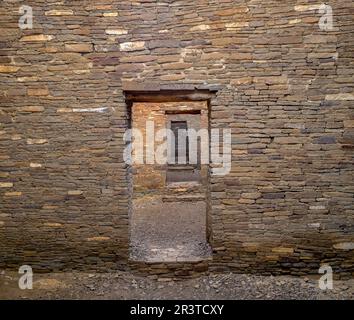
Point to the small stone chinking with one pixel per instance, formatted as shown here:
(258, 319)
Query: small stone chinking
(284, 87)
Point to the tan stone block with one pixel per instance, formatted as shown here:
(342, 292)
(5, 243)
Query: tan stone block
(13, 194)
(340, 96)
(35, 165)
(250, 246)
(201, 27)
(306, 7)
(313, 19)
(59, 13)
(8, 69)
(236, 25)
(293, 21)
(232, 11)
(132, 46)
(230, 201)
(271, 258)
(32, 109)
(172, 77)
(64, 110)
(16, 137)
(52, 224)
(98, 239)
(28, 79)
(6, 184)
(111, 14)
(251, 195)
(36, 141)
(75, 192)
(283, 250)
(79, 47)
(116, 31)
(317, 208)
(99, 7)
(37, 37)
(246, 201)
(344, 246)
(214, 56)
(348, 123)
(38, 92)
(240, 81)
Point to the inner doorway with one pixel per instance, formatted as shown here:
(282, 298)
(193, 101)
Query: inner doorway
(168, 222)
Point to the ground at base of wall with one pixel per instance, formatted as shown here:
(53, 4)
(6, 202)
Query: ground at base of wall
(168, 231)
(124, 285)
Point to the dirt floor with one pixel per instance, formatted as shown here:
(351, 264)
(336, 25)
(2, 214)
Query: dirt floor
(168, 231)
(123, 285)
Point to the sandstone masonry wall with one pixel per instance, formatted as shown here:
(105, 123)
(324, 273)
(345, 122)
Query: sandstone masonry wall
(285, 88)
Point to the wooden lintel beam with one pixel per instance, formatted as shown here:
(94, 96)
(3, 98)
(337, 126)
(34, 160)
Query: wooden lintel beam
(168, 95)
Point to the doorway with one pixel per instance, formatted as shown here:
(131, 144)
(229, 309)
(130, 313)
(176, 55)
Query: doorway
(168, 220)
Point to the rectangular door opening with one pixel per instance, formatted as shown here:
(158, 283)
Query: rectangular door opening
(168, 220)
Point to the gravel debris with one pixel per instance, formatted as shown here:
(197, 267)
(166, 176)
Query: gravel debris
(124, 285)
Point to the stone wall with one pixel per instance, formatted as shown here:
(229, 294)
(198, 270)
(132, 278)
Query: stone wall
(285, 88)
(152, 177)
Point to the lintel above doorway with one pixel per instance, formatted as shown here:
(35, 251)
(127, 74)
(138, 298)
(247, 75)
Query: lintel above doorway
(167, 93)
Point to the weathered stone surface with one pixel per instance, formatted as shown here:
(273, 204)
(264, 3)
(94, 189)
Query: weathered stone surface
(111, 14)
(32, 109)
(132, 46)
(240, 81)
(283, 250)
(98, 239)
(36, 141)
(79, 47)
(52, 224)
(348, 123)
(37, 37)
(240, 56)
(75, 192)
(8, 69)
(284, 88)
(344, 246)
(326, 140)
(6, 184)
(117, 32)
(35, 165)
(38, 92)
(59, 13)
(251, 195)
(13, 194)
(201, 27)
(164, 44)
(340, 96)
